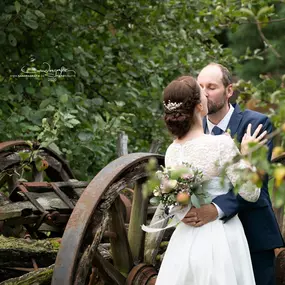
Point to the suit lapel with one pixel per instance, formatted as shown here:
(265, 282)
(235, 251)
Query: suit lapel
(235, 120)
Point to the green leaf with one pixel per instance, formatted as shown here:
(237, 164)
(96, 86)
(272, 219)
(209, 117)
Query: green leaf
(154, 201)
(68, 55)
(2, 37)
(30, 144)
(97, 101)
(40, 14)
(120, 103)
(63, 98)
(30, 90)
(45, 103)
(74, 122)
(69, 116)
(55, 148)
(17, 6)
(264, 10)
(31, 24)
(12, 40)
(247, 12)
(183, 34)
(29, 15)
(84, 136)
(19, 88)
(39, 164)
(195, 201)
(154, 81)
(83, 71)
(24, 155)
(275, 95)
(60, 89)
(134, 74)
(45, 91)
(34, 128)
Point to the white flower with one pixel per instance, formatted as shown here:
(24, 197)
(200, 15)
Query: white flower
(156, 193)
(187, 176)
(159, 174)
(168, 185)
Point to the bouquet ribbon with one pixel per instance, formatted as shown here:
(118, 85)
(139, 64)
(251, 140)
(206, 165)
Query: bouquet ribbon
(178, 214)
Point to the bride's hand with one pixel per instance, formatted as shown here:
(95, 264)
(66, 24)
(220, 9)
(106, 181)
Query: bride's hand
(248, 138)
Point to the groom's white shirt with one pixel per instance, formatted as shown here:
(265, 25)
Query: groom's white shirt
(223, 124)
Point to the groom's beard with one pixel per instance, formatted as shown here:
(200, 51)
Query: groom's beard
(214, 107)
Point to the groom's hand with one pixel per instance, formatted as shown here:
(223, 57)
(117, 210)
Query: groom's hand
(198, 217)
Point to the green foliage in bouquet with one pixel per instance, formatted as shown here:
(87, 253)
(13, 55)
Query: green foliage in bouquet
(175, 186)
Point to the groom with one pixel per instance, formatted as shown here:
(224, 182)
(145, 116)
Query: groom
(260, 225)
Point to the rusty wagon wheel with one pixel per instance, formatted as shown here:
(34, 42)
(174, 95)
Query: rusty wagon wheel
(10, 162)
(14, 167)
(97, 216)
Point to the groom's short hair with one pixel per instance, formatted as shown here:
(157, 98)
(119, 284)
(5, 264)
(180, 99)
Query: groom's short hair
(226, 75)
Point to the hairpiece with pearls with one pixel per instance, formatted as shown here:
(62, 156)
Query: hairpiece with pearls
(171, 106)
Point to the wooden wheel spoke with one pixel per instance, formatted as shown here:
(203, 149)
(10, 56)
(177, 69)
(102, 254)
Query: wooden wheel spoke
(110, 274)
(89, 253)
(3, 178)
(121, 252)
(138, 217)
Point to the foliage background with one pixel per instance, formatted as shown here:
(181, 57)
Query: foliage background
(124, 52)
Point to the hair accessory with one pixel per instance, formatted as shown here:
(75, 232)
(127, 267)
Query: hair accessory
(171, 106)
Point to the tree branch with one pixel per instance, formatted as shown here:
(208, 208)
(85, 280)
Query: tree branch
(266, 41)
(255, 22)
(98, 12)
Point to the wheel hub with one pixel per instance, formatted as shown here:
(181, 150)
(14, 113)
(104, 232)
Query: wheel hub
(142, 274)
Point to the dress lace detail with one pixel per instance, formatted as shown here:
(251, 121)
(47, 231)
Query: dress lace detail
(228, 151)
(210, 154)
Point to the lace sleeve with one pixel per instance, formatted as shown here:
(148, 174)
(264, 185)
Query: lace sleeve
(228, 151)
(172, 156)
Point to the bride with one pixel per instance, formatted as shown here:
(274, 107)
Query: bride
(216, 253)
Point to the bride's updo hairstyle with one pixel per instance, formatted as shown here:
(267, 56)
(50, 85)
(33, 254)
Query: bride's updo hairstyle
(180, 98)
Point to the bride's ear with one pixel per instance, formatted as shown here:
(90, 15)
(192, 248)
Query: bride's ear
(200, 107)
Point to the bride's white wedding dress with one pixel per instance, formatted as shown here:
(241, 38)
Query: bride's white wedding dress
(216, 253)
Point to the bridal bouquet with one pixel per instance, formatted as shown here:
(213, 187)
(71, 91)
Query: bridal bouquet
(177, 189)
(178, 186)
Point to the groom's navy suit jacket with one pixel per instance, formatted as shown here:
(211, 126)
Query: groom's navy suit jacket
(258, 219)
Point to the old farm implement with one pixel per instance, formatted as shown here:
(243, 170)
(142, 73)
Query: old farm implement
(73, 232)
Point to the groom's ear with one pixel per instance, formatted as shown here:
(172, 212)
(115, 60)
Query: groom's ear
(230, 91)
